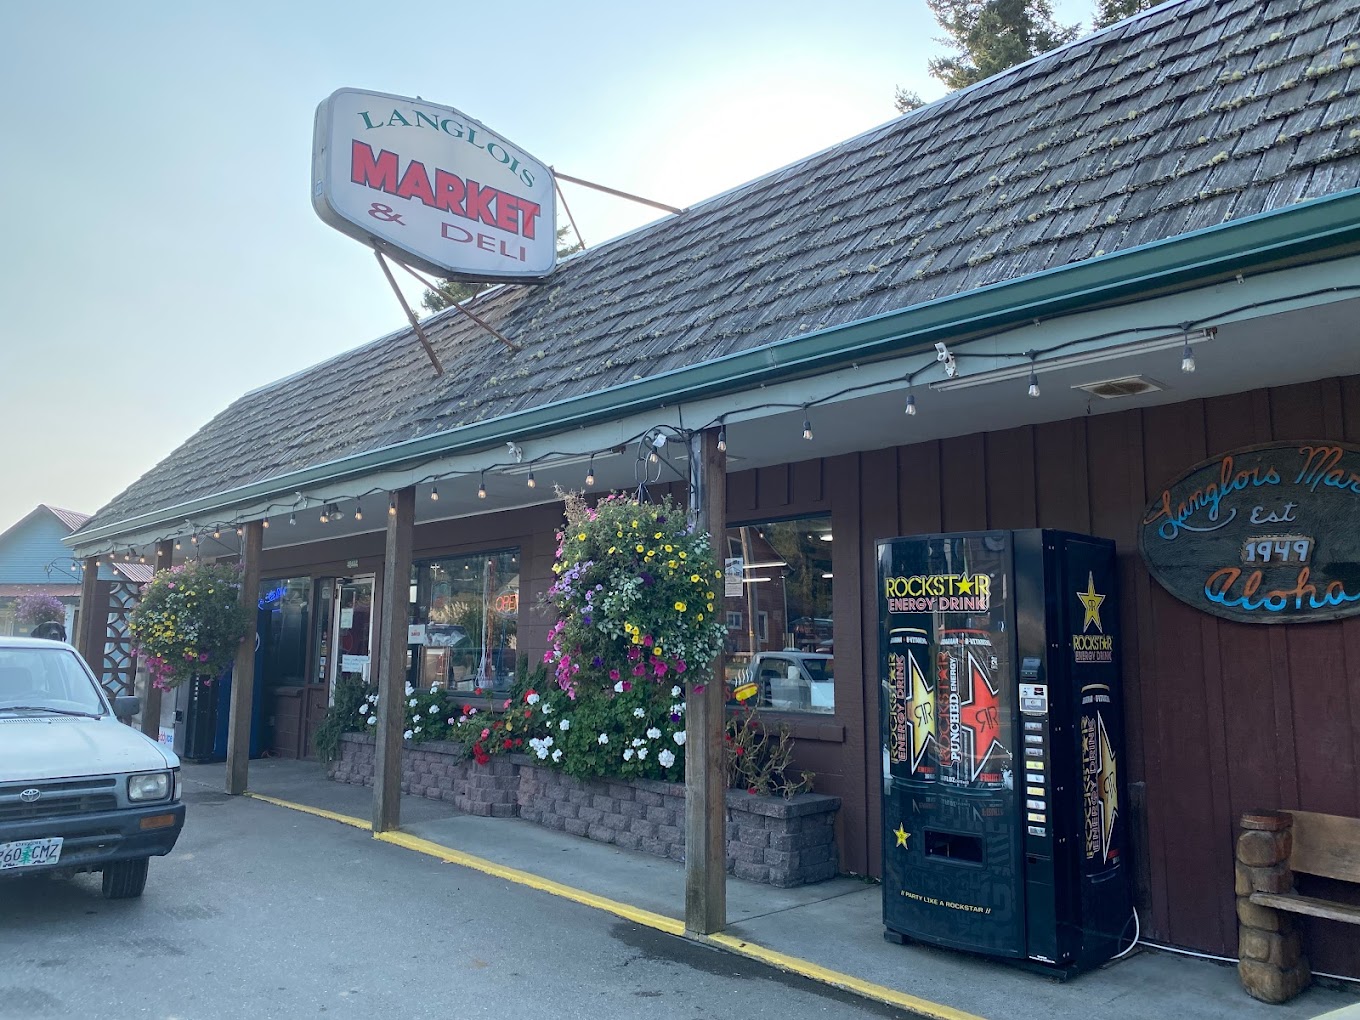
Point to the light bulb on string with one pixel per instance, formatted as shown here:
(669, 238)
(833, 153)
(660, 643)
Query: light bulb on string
(807, 428)
(217, 533)
(325, 515)
(292, 518)
(240, 531)
(392, 506)
(590, 471)
(434, 494)
(911, 403)
(530, 480)
(722, 438)
(264, 523)
(358, 511)
(1187, 356)
(193, 539)
(1033, 381)
(481, 487)
(177, 544)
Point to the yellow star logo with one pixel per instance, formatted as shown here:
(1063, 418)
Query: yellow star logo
(964, 585)
(1091, 603)
(902, 835)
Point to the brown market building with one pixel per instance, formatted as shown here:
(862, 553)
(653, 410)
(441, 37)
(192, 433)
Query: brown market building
(1189, 174)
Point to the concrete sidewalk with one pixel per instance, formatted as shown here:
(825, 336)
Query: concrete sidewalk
(834, 925)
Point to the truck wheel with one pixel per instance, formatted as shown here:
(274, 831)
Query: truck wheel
(125, 880)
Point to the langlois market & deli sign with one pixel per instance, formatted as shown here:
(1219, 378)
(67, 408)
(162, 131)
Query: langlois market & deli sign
(1265, 534)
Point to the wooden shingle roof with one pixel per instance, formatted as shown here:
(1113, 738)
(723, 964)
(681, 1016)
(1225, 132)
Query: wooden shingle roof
(1196, 113)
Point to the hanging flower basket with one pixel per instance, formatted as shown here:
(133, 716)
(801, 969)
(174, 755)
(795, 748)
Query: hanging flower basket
(37, 608)
(189, 622)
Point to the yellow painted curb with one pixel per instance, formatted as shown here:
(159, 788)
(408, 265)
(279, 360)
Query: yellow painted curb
(646, 918)
(334, 816)
(826, 976)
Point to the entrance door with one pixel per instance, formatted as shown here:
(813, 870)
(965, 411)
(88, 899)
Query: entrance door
(346, 631)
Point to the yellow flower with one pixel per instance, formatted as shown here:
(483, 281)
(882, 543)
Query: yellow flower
(639, 549)
(635, 524)
(682, 555)
(668, 548)
(679, 607)
(695, 578)
(581, 537)
(611, 550)
(710, 607)
(656, 650)
(700, 617)
(672, 564)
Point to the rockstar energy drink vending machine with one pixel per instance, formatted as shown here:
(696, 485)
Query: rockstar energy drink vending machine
(1003, 806)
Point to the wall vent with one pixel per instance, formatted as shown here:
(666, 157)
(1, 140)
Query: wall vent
(1125, 386)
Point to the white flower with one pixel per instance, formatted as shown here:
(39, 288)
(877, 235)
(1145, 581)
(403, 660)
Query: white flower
(679, 737)
(637, 741)
(642, 752)
(639, 713)
(409, 688)
(565, 724)
(618, 687)
(413, 702)
(373, 698)
(417, 729)
(541, 751)
(472, 711)
(678, 708)
(604, 738)
(532, 699)
(653, 733)
(557, 755)
(373, 720)
(675, 692)
(666, 759)
(547, 708)
(452, 720)
(547, 741)
(628, 754)
(417, 717)
(434, 687)
(406, 735)
(363, 709)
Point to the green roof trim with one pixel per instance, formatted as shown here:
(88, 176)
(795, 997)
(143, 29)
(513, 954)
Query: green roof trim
(1322, 226)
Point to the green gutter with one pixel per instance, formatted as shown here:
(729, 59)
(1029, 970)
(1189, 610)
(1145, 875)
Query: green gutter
(1322, 225)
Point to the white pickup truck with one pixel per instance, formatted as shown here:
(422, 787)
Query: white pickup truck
(794, 681)
(79, 790)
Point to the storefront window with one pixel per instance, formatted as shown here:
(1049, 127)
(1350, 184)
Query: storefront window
(465, 621)
(283, 628)
(777, 603)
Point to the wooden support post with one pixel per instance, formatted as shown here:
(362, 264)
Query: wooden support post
(396, 608)
(151, 706)
(705, 718)
(90, 640)
(243, 672)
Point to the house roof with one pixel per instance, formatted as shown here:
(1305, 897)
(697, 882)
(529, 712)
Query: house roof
(72, 520)
(1194, 114)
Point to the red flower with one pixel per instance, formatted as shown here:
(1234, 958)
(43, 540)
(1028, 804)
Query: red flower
(752, 789)
(527, 713)
(476, 690)
(740, 751)
(508, 744)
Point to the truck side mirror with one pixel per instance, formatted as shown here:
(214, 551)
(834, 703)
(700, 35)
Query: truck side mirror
(125, 706)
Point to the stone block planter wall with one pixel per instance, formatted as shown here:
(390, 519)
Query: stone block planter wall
(769, 839)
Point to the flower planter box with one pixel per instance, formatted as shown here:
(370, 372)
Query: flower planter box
(769, 839)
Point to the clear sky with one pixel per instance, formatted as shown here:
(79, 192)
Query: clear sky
(160, 252)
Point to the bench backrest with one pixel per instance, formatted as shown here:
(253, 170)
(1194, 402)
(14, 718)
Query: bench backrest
(1326, 845)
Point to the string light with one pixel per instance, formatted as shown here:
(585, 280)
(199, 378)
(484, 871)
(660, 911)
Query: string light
(1033, 379)
(240, 531)
(481, 487)
(434, 494)
(193, 539)
(325, 516)
(1187, 356)
(217, 532)
(392, 506)
(807, 428)
(264, 523)
(722, 438)
(177, 544)
(911, 403)
(358, 511)
(292, 518)
(532, 484)
(590, 471)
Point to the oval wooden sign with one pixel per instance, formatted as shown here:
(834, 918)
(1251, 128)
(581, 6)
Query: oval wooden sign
(1265, 534)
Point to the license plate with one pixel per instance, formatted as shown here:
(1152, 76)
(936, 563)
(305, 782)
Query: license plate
(30, 853)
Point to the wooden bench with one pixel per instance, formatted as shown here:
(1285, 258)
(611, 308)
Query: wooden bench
(1273, 848)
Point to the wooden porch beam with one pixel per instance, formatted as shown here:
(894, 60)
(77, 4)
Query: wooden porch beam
(151, 706)
(89, 634)
(243, 672)
(396, 609)
(705, 719)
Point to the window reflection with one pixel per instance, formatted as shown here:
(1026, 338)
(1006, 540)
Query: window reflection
(778, 607)
(465, 621)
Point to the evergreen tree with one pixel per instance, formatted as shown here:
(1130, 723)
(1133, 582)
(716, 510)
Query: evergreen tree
(907, 100)
(993, 35)
(1110, 11)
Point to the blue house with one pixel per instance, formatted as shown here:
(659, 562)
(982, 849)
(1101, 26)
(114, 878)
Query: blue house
(34, 561)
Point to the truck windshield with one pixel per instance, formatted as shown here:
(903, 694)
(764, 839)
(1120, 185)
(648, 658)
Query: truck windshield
(46, 679)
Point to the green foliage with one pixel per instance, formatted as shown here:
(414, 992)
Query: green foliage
(189, 622)
(760, 762)
(343, 716)
(993, 35)
(1110, 11)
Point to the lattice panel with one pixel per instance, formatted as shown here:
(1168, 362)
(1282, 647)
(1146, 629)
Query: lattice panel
(119, 672)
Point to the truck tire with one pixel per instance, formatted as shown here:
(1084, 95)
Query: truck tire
(125, 880)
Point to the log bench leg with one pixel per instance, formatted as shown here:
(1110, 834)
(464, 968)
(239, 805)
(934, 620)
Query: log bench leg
(1270, 954)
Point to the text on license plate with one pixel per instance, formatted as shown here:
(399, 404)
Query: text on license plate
(30, 853)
